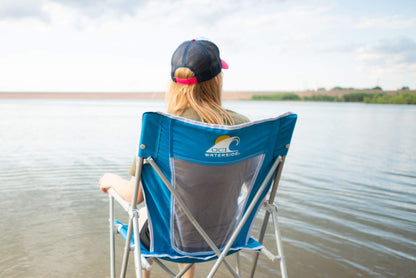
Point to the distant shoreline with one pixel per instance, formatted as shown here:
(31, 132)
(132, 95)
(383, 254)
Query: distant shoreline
(144, 95)
(227, 95)
(58, 95)
(363, 96)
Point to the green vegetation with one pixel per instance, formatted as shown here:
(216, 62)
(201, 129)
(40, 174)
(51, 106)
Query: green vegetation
(354, 89)
(404, 96)
(399, 98)
(356, 96)
(341, 88)
(282, 96)
(321, 98)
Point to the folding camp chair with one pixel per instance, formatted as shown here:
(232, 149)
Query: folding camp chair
(203, 185)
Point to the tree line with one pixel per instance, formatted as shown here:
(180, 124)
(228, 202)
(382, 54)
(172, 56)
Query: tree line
(401, 97)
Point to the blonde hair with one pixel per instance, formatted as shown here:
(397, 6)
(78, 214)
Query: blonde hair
(204, 98)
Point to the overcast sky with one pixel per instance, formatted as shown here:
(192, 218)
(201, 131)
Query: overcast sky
(126, 45)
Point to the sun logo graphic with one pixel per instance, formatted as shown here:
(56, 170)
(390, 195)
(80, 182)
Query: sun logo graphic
(222, 147)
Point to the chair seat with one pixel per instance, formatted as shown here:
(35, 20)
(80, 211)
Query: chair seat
(252, 245)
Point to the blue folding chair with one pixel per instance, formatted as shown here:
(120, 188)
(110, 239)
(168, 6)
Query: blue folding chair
(203, 185)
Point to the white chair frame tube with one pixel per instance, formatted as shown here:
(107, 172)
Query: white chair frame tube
(164, 267)
(238, 268)
(185, 269)
(269, 255)
(112, 235)
(132, 218)
(123, 203)
(279, 243)
(114, 196)
(137, 260)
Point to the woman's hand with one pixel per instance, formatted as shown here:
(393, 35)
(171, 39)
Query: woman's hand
(108, 181)
(123, 187)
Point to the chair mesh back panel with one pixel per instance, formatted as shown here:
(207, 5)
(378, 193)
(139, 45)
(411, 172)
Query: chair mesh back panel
(215, 195)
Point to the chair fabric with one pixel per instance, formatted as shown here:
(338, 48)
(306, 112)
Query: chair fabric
(216, 170)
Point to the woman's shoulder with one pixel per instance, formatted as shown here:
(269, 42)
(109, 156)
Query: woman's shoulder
(237, 117)
(191, 114)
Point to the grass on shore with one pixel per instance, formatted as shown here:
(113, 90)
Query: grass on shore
(382, 98)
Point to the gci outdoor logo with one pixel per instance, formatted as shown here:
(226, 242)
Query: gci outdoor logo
(222, 147)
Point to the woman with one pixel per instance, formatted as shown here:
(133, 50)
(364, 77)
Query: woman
(194, 93)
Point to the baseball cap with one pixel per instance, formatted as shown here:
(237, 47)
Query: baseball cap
(202, 57)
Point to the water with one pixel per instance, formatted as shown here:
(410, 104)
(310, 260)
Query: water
(347, 201)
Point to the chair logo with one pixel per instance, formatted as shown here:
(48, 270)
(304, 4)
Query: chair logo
(222, 147)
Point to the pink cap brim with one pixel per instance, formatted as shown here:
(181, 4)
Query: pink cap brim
(224, 64)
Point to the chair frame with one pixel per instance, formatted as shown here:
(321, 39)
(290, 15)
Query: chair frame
(141, 263)
(265, 193)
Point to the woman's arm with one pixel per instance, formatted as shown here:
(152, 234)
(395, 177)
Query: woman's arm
(123, 187)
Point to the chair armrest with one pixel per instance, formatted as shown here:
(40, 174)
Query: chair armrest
(122, 202)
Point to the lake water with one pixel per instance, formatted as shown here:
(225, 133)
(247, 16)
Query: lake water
(347, 197)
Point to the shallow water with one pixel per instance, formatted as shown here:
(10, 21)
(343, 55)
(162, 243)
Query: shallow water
(347, 197)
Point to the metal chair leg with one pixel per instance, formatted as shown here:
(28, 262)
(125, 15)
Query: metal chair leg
(164, 267)
(127, 249)
(112, 237)
(184, 270)
(238, 269)
(137, 258)
(279, 243)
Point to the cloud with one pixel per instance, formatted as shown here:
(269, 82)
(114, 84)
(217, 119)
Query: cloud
(24, 9)
(38, 9)
(387, 22)
(397, 55)
(392, 62)
(97, 8)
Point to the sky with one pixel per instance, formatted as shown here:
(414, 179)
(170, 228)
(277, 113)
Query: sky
(269, 45)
